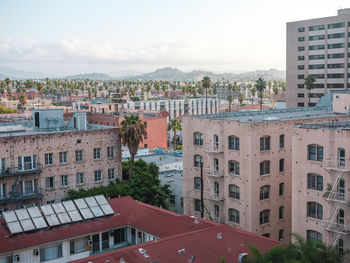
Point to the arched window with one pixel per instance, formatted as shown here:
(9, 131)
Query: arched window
(314, 210)
(265, 168)
(265, 143)
(233, 167)
(314, 182)
(264, 216)
(233, 143)
(198, 160)
(315, 152)
(198, 138)
(197, 183)
(312, 235)
(264, 192)
(233, 191)
(233, 216)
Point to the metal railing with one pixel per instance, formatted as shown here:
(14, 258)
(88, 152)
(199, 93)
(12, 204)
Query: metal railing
(336, 227)
(26, 169)
(339, 165)
(215, 149)
(337, 197)
(213, 173)
(20, 196)
(219, 220)
(216, 197)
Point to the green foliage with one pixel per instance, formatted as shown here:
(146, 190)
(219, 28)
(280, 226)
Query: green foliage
(144, 186)
(4, 110)
(221, 260)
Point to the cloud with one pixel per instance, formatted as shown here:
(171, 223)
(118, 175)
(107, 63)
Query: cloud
(3, 21)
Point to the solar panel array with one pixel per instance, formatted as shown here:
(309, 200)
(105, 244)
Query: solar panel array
(33, 218)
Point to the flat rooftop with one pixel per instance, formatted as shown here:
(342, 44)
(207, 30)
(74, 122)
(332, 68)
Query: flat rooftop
(335, 125)
(160, 159)
(273, 115)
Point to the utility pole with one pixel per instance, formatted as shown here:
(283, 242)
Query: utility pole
(202, 188)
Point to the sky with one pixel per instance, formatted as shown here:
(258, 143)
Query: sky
(66, 37)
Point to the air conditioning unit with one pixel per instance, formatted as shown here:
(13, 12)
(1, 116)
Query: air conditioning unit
(16, 258)
(36, 252)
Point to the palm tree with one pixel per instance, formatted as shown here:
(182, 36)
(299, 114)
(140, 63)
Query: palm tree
(234, 89)
(174, 126)
(260, 87)
(241, 98)
(309, 85)
(23, 100)
(275, 93)
(229, 99)
(206, 82)
(133, 132)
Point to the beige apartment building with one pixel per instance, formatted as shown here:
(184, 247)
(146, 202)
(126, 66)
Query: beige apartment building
(247, 160)
(318, 47)
(320, 184)
(41, 159)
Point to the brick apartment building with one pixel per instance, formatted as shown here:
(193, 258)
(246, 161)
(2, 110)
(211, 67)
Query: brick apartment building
(247, 159)
(320, 184)
(41, 159)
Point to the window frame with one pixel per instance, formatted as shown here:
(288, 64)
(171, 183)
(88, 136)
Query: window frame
(265, 168)
(233, 143)
(264, 217)
(265, 143)
(234, 216)
(236, 167)
(234, 191)
(198, 141)
(264, 192)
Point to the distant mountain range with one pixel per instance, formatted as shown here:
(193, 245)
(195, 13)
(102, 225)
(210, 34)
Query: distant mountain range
(168, 73)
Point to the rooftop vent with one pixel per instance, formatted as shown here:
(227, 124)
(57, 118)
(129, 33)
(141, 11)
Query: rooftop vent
(181, 251)
(219, 236)
(143, 252)
(272, 118)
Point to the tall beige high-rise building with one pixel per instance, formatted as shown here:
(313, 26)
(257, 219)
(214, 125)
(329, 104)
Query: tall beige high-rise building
(318, 47)
(247, 160)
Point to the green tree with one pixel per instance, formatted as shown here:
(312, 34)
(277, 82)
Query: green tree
(241, 98)
(275, 93)
(309, 85)
(133, 131)
(23, 99)
(174, 126)
(260, 87)
(206, 83)
(229, 99)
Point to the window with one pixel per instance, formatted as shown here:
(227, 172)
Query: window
(300, 95)
(318, 37)
(98, 176)
(63, 157)
(315, 153)
(216, 165)
(300, 86)
(3, 191)
(111, 173)
(80, 178)
(316, 66)
(337, 65)
(48, 158)
(264, 217)
(301, 29)
(264, 192)
(301, 67)
(301, 58)
(78, 245)
(337, 45)
(301, 39)
(110, 152)
(315, 57)
(26, 163)
(339, 55)
(340, 218)
(314, 210)
(265, 143)
(29, 187)
(119, 235)
(216, 141)
(233, 191)
(335, 76)
(281, 212)
(340, 246)
(337, 35)
(197, 183)
(282, 141)
(265, 168)
(336, 25)
(172, 199)
(281, 189)
(281, 235)
(300, 104)
(197, 205)
(51, 252)
(233, 167)
(97, 154)
(266, 235)
(302, 48)
(50, 183)
(301, 76)
(198, 160)
(341, 157)
(313, 235)
(216, 188)
(316, 47)
(281, 165)
(198, 138)
(314, 182)
(316, 28)
(64, 181)
(233, 216)
(217, 211)
(233, 143)
(79, 155)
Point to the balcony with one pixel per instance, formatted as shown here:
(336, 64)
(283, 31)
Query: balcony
(337, 197)
(214, 149)
(18, 196)
(219, 220)
(213, 173)
(216, 197)
(336, 227)
(335, 165)
(15, 171)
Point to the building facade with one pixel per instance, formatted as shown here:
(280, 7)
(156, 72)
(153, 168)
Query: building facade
(247, 167)
(318, 47)
(44, 158)
(320, 190)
